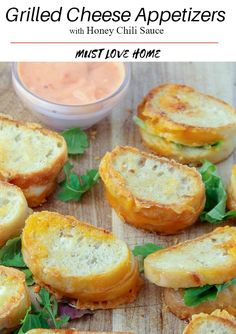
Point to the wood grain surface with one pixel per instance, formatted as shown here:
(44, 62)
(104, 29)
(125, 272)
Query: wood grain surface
(148, 314)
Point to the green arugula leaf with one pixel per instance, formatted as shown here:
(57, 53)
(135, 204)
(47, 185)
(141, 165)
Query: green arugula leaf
(28, 276)
(10, 254)
(215, 206)
(146, 249)
(50, 309)
(138, 121)
(143, 251)
(76, 140)
(196, 296)
(31, 321)
(44, 317)
(74, 186)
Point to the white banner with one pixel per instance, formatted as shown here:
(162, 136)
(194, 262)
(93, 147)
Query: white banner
(126, 30)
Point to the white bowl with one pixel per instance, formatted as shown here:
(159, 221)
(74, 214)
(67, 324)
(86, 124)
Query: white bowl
(61, 116)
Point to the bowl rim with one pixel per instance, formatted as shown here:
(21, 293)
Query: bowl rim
(50, 104)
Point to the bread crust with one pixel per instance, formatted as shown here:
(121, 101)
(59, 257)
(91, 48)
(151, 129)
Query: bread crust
(149, 215)
(231, 198)
(12, 313)
(107, 290)
(174, 299)
(217, 318)
(14, 227)
(155, 112)
(156, 117)
(46, 176)
(183, 278)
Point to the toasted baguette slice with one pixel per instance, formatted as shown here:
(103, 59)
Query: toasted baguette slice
(174, 299)
(13, 211)
(14, 298)
(30, 157)
(175, 115)
(219, 322)
(152, 193)
(69, 331)
(79, 261)
(231, 199)
(209, 259)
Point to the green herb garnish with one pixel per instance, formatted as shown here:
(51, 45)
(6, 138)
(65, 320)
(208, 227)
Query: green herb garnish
(11, 256)
(76, 140)
(143, 251)
(74, 186)
(138, 121)
(44, 317)
(192, 296)
(196, 296)
(146, 249)
(215, 207)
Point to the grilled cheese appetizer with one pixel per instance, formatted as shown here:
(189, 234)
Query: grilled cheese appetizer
(31, 158)
(179, 122)
(13, 211)
(174, 299)
(205, 262)
(152, 193)
(14, 299)
(219, 322)
(77, 260)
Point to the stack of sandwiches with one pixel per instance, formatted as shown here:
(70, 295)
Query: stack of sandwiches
(198, 275)
(179, 122)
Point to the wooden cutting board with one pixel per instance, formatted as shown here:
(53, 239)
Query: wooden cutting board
(148, 314)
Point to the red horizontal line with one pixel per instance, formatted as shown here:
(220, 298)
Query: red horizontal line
(41, 42)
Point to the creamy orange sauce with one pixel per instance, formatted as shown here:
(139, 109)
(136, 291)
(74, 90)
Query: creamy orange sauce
(71, 83)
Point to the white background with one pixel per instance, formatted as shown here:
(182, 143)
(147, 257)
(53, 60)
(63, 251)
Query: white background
(221, 32)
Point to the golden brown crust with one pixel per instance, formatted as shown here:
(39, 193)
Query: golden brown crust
(106, 290)
(231, 199)
(45, 176)
(199, 275)
(156, 117)
(13, 312)
(123, 293)
(175, 303)
(14, 225)
(214, 320)
(149, 215)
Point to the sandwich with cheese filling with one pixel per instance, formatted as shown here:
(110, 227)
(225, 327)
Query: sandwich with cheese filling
(179, 122)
